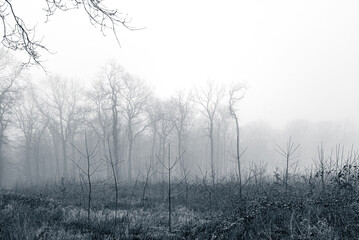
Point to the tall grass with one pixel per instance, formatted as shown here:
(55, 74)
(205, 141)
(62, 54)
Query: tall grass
(300, 208)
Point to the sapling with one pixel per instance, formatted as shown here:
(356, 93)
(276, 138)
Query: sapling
(169, 169)
(110, 161)
(88, 172)
(238, 161)
(150, 170)
(287, 152)
(205, 184)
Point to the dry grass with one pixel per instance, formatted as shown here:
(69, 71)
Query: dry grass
(270, 212)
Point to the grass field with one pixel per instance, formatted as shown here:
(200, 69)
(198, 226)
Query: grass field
(305, 210)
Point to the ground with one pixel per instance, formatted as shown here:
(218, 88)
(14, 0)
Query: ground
(267, 211)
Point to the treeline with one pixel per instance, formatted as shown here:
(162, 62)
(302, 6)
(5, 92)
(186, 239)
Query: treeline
(44, 124)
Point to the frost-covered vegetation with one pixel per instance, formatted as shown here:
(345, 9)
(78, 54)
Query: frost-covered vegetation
(306, 209)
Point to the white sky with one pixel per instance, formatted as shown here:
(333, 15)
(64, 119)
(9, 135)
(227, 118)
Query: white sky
(300, 58)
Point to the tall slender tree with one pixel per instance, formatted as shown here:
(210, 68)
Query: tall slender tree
(182, 103)
(97, 116)
(112, 76)
(135, 96)
(236, 93)
(209, 99)
(165, 126)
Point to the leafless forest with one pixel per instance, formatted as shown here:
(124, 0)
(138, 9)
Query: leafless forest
(115, 154)
(111, 160)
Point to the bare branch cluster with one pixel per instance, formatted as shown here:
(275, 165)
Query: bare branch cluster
(17, 35)
(290, 149)
(287, 153)
(236, 93)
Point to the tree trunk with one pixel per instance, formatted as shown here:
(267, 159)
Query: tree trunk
(89, 186)
(1, 161)
(153, 148)
(103, 153)
(179, 151)
(73, 156)
(56, 152)
(163, 157)
(28, 159)
(130, 146)
(212, 152)
(287, 172)
(169, 189)
(37, 159)
(115, 138)
(152, 159)
(63, 143)
(238, 159)
(218, 150)
(64, 158)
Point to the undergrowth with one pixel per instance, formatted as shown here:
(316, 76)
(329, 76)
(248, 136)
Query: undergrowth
(266, 211)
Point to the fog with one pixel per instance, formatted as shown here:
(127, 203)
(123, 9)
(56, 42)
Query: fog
(183, 119)
(297, 60)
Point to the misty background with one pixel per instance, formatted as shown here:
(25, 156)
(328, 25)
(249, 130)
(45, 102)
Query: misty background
(292, 55)
(298, 60)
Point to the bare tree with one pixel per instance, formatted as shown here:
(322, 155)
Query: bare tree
(135, 96)
(28, 121)
(209, 98)
(110, 162)
(150, 170)
(17, 35)
(111, 78)
(90, 169)
(165, 126)
(287, 152)
(258, 170)
(169, 168)
(204, 181)
(222, 136)
(182, 103)
(236, 93)
(97, 115)
(9, 93)
(38, 146)
(324, 165)
(153, 113)
(60, 106)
